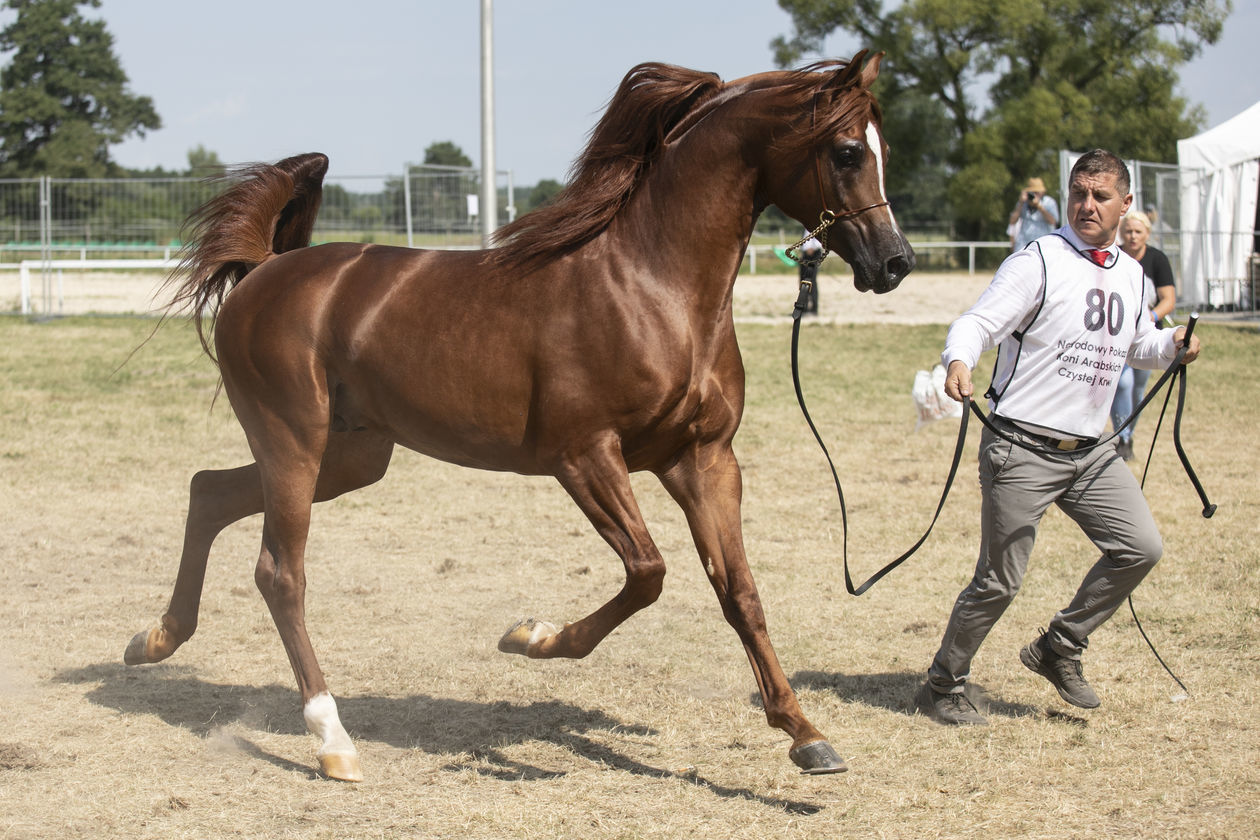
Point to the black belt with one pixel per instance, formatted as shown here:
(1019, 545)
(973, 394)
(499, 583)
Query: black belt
(1064, 444)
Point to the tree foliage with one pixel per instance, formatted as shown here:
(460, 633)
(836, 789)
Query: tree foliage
(204, 163)
(63, 95)
(538, 195)
(981, 94)
(445, 153)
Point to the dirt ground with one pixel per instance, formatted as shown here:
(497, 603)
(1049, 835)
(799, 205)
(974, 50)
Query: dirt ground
(922, 298)
(659, 733)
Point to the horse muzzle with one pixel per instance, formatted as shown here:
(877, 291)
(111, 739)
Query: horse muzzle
(882, 275)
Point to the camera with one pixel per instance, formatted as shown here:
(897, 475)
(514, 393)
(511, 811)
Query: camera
(1031, 197)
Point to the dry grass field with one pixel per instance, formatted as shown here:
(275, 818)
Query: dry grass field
(658, 733)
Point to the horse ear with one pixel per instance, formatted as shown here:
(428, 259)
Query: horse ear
(871, 70)
(852, 72)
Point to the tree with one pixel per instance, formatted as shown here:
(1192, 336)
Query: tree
(983, 93)
(63, 96)
(203, 163)
(445, 153)
(541, 193)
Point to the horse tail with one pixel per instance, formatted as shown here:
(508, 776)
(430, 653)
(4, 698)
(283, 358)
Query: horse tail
(266, 210)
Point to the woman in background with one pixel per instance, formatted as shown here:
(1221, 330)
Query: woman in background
(1160, 298)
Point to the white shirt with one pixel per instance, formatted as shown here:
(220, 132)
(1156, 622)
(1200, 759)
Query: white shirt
(1077, 334)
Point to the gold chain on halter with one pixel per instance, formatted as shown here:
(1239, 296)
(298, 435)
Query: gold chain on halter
(826, 219)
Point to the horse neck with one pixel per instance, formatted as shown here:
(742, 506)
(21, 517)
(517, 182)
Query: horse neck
(691, 219)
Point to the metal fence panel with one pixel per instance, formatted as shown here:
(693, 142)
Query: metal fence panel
(20, 212)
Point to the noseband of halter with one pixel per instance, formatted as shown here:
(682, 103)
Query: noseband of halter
(827, 217)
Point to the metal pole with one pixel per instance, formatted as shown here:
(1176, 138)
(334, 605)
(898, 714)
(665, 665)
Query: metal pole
(407, 204)
(511, 197)
(489, 210)
(45, 242)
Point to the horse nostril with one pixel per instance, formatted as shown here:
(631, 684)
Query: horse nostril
(900, 265)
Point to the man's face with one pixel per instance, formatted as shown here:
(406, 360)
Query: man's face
(1095, 207)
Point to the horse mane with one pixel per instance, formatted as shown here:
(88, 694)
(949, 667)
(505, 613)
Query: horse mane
(652, 101)
(837, 99)
(627, 140)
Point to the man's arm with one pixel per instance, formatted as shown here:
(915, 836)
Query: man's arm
(1049, 210)
(1001, 308)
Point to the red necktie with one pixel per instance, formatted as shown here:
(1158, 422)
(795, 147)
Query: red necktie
(1097, 256)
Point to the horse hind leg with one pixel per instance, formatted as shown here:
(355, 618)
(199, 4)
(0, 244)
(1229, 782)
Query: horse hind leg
(600, 485)
(216, 499)
(219, 498)
(289, 489)
(708, 487)
(291, 450)
(350, 460)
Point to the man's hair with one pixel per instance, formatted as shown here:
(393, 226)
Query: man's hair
(1102, 162)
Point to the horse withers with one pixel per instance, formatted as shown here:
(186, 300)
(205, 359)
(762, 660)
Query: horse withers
(596, 339)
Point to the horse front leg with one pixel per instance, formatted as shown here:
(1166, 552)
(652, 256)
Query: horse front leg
(599, 482)
(708, 486)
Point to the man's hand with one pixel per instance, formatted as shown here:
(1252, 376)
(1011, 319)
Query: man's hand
(958, 378)
(1179, 335)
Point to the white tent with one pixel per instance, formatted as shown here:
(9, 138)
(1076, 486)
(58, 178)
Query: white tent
(1220, 179)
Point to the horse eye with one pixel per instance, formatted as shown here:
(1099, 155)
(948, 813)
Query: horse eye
(850, 153)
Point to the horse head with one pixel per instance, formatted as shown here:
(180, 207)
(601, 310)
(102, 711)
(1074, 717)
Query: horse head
(825, 168)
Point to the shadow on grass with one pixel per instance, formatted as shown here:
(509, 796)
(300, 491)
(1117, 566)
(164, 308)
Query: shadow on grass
(895, 691)
(474, 732)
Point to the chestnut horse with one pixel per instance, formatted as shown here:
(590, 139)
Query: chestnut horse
(596, 339)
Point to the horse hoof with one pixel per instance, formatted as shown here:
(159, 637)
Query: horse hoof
(525, 635)
(344, 767)
(147, 647)
(817, 758)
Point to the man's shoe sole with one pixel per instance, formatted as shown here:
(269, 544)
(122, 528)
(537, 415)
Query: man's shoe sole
(1032, 661)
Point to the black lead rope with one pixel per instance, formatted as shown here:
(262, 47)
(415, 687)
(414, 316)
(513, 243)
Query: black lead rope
(802, 301)
(1176, 370)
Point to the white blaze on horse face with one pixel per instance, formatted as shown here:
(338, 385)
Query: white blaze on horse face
(873, 143)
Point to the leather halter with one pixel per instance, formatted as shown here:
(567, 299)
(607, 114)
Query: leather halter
(827, 217)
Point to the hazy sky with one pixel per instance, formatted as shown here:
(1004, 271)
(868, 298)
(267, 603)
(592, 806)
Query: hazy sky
(372, 83)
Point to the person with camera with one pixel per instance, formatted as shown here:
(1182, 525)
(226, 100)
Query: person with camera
(1066, 314)
(1036, 214)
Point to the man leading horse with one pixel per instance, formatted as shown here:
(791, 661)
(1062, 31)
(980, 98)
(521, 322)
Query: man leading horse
(1066, 314)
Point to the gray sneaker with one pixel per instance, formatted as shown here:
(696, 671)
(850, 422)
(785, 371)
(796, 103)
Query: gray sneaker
(953, 709)
(1063, 673)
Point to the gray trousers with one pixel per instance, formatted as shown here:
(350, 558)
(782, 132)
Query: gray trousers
(1097, 490)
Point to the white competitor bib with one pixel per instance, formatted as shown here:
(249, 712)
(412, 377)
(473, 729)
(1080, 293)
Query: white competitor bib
(1066, 329)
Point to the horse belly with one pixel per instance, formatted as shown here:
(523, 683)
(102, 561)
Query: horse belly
(474, 418)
